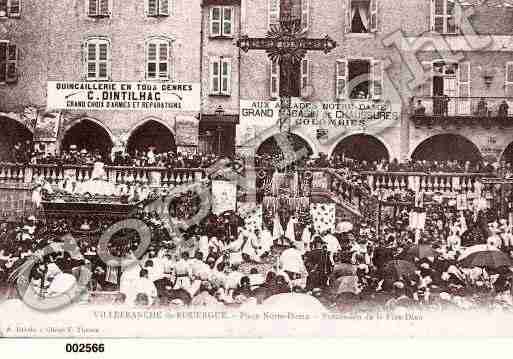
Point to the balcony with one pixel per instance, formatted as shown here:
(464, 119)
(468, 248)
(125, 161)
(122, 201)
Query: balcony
(19, 175)
(462, 111)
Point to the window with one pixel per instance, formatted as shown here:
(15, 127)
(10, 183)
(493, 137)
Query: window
(359, 79)
(299, 9)
(158, 7)
(99, 8)
(362, 16)
(97, 59)
(509, 79)
(220, 76)
(443, 16)
(10, 8)
(158, 56)
(221, 21)
(8, 62)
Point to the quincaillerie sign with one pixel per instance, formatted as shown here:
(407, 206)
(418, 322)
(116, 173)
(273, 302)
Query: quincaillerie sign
(116, 96)
(324, 114)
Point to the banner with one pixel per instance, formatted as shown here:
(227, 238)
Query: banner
(116, 96)
(321, 114)
(224, 196)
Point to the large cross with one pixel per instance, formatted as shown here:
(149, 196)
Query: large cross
(286, 45)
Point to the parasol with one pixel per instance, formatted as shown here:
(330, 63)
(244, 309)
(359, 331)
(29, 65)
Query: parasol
(397, 269)
(476, 248)
(488, 259)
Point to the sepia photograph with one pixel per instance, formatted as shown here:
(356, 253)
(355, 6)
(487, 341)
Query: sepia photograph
(256, 168)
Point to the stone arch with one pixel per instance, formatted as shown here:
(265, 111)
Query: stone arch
(13, 133)
(151, 131)
(297, 141)
(363, 147)
(448, 146)
(90, 134)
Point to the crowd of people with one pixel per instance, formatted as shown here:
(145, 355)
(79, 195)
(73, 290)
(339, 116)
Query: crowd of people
(224, 263)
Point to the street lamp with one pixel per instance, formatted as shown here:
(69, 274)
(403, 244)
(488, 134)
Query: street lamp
(220, 114)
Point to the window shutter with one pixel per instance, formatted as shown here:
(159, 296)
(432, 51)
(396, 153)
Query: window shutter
(341, 79)
(215, 21)
(374, 15)
(163, 61)
(103, 61)
(214, 75)
(104, 7)
(274, 89)
(14, 8)
(12, 57)
(93, 7)
(91, 61)
(509, 79)
(305, 14)
(227, 21)
(226, 76)
(377, 79)
(274, 13)
(152, 7)
(3, 61)
(347, 17)
(151, 62)
(164, 7)
(463, 88)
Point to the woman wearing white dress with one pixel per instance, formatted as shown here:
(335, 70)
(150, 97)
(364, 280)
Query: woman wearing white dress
(290, 233)
(277, 227)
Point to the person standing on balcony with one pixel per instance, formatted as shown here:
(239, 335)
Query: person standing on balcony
(420, 109)
(482, 108)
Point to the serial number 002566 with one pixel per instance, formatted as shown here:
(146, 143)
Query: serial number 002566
(85, 348)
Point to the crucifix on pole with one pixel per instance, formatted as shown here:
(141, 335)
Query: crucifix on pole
(286, 45)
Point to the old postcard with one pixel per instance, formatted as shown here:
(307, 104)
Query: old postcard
(249, 168)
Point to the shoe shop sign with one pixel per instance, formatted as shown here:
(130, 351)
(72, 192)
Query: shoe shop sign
(323, 114)
(118, 96)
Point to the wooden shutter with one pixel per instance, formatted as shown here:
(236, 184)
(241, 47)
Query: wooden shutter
(374, 6)
(377, 79)
(12, 57)
(347, 17)
(103, 60)
(164, 7)
(227, 29)
(463, 88)
(152, 7)
(14, 8)
(151, 61)
(91, 60)
(274, 13)
(305, 14)
(215, 21)
(274, 84)
(341, 79)
(215, 75)
(509, 79)
(226, 76)
(93, 7)
(163, 61)
(104, 7)
(3, 60)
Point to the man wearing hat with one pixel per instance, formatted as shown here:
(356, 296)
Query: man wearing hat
(318, 265)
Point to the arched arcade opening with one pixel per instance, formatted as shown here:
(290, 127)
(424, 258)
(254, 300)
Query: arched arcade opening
(88, 135)
(447, 147)
(362, 147)
(271, 149)
(15, 141)
(151, 134)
